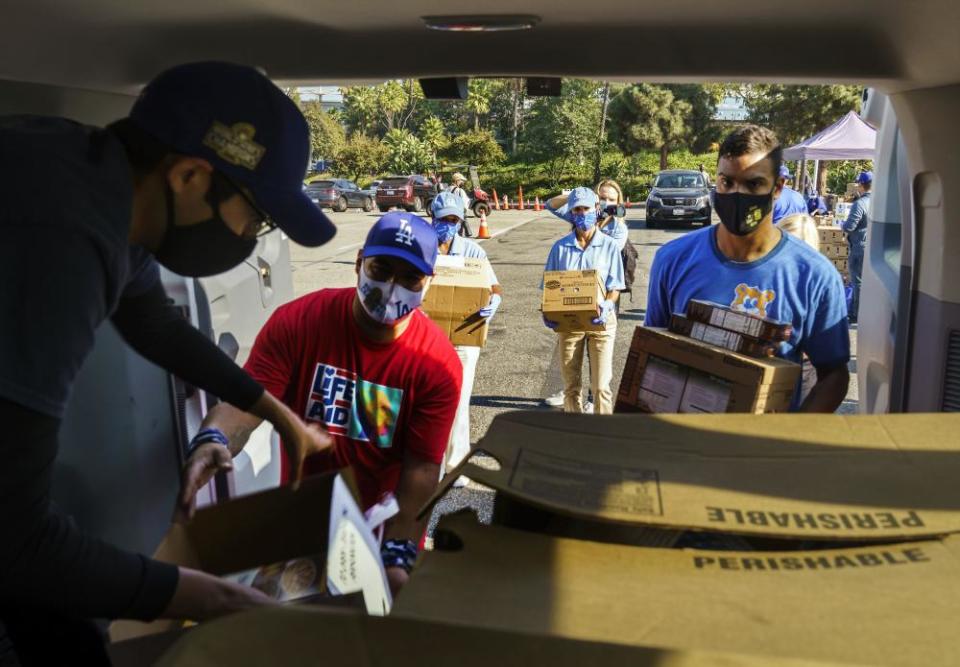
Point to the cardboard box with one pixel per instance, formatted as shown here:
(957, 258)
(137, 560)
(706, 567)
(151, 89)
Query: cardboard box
(728, 340)
(895, 604)
(842, 265)
(460, 287)
(790, 476)
(309, 636)
(835, 250)
(278, 538)
(830, 234)
(570, 298)
(725, 317)
(749, 384)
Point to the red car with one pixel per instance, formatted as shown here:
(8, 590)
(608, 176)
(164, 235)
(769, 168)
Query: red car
(412, 193)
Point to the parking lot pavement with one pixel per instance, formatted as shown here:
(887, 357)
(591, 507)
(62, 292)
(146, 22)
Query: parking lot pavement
(516, 369)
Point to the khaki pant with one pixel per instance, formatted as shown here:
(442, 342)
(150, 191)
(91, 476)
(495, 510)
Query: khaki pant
(600, 348)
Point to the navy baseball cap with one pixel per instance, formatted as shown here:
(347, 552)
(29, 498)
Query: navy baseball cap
(784, 171)
(405, 236)
(247, 128)
(865, 177)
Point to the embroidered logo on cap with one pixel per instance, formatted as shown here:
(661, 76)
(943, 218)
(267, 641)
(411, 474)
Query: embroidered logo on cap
(235, 144)
(405, 233)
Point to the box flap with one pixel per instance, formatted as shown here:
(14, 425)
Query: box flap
(892, 604)
(460, 272)
(864, 477)
(308, 636)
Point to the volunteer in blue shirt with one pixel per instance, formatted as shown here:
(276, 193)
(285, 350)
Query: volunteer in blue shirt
(856, 228)
(585, 248)
(210, 157)
(752, 266)
(789, 201)
(447, 211)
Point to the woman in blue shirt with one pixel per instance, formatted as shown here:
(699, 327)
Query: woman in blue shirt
(585, 248)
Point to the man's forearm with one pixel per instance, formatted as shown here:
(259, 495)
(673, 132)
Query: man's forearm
(418, 481)
(829, 391)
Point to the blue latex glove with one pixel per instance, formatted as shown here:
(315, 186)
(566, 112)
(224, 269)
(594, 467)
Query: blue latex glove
(550, 324)
(606, 312)
(491, 308)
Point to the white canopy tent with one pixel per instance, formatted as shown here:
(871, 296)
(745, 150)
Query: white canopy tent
(850, 138)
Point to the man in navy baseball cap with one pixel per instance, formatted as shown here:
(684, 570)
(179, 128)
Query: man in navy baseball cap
(210, 157)
(366, 364)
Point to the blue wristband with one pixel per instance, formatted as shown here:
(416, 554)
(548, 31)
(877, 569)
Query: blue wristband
(399, 553)
(206, 435)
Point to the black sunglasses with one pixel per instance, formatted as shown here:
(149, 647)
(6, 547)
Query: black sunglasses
(266, 224)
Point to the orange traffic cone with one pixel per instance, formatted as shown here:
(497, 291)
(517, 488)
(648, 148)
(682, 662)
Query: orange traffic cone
(536, 203)
(520, 204)
(483, 232)
(496, 202)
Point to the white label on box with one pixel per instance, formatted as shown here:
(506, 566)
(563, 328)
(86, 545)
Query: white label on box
(704, 393)
(353, 561)
(716, 336)
(661, 386)
(453, 261)
(717, 316)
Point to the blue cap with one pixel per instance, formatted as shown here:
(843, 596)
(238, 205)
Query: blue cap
(447, 203)
(247, 128)
(581, 197)
(865, 177)
(405, 236)
(785, 172)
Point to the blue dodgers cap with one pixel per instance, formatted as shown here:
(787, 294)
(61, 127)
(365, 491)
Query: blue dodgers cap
(404, 236)
(447, 203)
(247, 128)
(785, 172)
(581, 197)
(865, 177)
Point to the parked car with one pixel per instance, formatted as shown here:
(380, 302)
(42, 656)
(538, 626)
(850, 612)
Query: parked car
(679, 195)
(412, 193)
(339, 194)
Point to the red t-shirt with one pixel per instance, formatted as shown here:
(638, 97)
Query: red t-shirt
(380, 401)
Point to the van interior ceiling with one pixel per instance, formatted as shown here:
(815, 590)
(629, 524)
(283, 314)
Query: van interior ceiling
(87, 61)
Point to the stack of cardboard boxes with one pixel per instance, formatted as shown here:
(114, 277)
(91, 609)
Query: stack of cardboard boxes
(711, 359)
(834, 246)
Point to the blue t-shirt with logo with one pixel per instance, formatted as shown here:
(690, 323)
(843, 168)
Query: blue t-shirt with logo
(792, 283)
(789, 202)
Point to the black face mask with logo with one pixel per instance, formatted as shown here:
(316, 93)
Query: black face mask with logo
(740, 213)
(204, 249)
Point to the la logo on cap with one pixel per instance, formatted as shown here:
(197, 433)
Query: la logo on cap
(405, 233)
(235, 144)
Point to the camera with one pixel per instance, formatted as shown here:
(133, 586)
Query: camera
(615, 210)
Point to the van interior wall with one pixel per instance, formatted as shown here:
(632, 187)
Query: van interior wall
(928, 121)
(117, 471)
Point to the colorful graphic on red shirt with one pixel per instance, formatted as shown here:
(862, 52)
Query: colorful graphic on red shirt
(353, 407)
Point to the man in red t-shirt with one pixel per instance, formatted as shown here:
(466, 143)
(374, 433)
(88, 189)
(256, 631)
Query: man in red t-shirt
(369, 367)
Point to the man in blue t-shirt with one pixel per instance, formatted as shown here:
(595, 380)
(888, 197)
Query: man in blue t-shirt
(856, 228)
(790, 201)
(749, 264)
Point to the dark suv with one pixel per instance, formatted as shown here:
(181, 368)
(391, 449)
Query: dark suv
(412, 193)
(339, 194)
(679, 195)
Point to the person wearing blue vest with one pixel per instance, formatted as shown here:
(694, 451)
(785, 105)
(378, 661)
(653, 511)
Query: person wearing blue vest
(856, 228)
(585, 248)
(751, 265)
(447, 212)
(790, 201)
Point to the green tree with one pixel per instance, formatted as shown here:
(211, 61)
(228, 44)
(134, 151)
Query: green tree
(434, 134)
(645, 116)
(392, 100)
(406, 153)
(360, 156)
(477, 147)
(327, 136)
(702, 128)
(361, 108)
(797, 112)
(478, 99)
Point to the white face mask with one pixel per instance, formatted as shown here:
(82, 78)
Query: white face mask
(387, 302)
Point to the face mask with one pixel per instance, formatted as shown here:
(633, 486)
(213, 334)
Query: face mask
(201, 250)
(584, 221)
(740, 213)
(387, 303)
(446, 231)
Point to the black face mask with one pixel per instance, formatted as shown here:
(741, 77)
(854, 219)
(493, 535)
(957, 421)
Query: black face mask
(741, 214)
(204, 249)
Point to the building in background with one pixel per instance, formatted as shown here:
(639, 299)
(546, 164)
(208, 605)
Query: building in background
(329, 96)
(732, 109)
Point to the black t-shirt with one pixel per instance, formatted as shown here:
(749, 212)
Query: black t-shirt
(65, 260)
